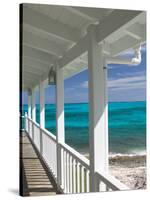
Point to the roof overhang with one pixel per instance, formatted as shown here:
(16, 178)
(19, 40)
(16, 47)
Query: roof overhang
(59, 34)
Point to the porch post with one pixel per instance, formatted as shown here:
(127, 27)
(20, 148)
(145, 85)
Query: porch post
(60, 121)
(29, 111)
(29, 105)
(33, 112)
(33, 106)
(98, 137)
(42, 113)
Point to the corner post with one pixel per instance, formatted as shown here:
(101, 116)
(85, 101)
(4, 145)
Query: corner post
(98, 136)
(42, 114)
(59, 121)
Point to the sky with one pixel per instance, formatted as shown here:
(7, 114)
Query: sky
(125, 83)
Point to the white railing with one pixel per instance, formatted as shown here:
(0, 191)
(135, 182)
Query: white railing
(75, 171)
(75, 168)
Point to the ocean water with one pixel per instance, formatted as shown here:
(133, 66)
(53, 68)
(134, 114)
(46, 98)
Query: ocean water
(126, 121)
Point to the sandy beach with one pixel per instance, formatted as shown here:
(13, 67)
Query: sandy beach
(130, 170)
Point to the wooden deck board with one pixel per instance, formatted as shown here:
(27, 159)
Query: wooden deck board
(34, 181)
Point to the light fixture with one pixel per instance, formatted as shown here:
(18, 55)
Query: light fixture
(52, 76)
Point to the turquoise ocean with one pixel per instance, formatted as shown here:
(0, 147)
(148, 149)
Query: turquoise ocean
(126, 121)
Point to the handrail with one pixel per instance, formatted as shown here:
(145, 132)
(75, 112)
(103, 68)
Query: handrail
(83, 160)
(48, 133)
(73, 160)
(111, 181)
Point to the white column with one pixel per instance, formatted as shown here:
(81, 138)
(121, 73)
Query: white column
(33, 112)
(98, 137)
(42, 114)
(29, 105)
(60, 120)
(42, 105)
(33, 106)
(29, 111)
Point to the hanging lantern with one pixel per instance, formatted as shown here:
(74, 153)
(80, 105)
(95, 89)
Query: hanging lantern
(52, 76)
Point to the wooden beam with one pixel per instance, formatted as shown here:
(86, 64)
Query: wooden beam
(92, 13)
(117, 20)
(137, 31)
(37, 54)
(42, 44)
(34, 69)
(78, 49)
(122, 44)
(76, 11)
(49, 25)
(31, 71)
(29, 61)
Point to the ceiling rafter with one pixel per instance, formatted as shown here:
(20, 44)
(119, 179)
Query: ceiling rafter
(35, 64)
(42, 44)
(37, 54)
(49, 25)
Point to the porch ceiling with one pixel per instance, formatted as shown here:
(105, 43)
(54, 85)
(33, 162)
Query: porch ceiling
(59, 33)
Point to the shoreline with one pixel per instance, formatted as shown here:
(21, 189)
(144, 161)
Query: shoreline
(129, 169)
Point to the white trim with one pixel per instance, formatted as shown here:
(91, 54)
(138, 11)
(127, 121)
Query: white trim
(98, 137)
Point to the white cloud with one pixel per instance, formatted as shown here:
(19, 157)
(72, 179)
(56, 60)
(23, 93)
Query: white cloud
(128, 83)
(84, 84)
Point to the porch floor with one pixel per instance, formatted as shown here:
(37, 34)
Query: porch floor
(35, 180)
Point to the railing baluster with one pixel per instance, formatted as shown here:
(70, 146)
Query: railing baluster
(78, 177)
(87, 180)
(82, 179)
(70, 163)
(75, 167)
(62, 168)
(67, 172)
(65, 175)
(74, 176)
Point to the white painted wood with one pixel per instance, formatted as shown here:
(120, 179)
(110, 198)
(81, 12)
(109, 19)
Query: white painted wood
(118, 19)
(70, 175)
(49, 25)
(29, 111)
(76, 11)
(82, 179)
(33, 112)
(114, 24)
(98, 137)
(122, 44)
(42, 44)
(59, 118)
(42, 114)
(137, 31)
(26, 122)
(38, 54)
(33, 106)
(78, 177)
(67, 172)
(40, 65)
(87, 181)
(29, 105)
(49, 141)
(42, 105)
(74, 175)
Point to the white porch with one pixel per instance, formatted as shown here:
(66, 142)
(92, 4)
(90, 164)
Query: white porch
(58, 42)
